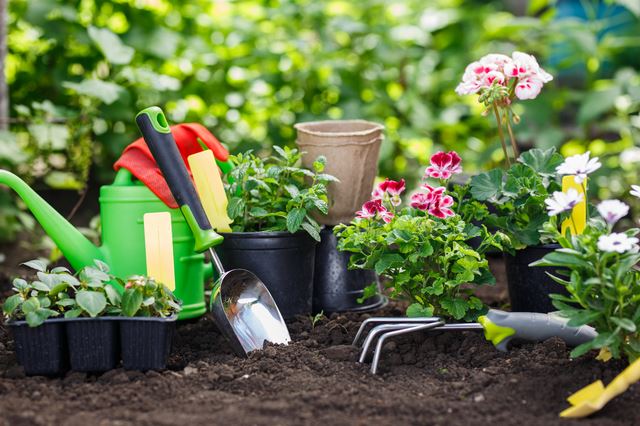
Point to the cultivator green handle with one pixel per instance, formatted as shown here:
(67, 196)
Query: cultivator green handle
(157, 135)
(501, 327)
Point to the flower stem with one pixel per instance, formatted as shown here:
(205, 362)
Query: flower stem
(586, 200)
(501, 134)
(516, 153)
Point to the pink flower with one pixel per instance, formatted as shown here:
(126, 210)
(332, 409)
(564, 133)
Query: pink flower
(391, 187)
(443, 165)
(440, 207)
(525, 65)
(494, 77)
(528, 88)
(374, 208)
(421, 201)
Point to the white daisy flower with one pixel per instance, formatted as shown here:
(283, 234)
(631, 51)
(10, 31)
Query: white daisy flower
(635, 190)
(562, 202)
(617, 242)
(579, 166)
(612, 210)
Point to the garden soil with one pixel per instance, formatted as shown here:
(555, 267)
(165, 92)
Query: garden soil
(454, 378)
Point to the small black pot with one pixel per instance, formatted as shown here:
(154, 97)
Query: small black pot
(93, 343)
(530, 286)
(42, 350)
(335, 287)
(146, 342)
(283, 261)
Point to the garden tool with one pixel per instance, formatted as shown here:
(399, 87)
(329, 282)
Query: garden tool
(123, 205)
(190, 137)
(210, 189)
(499, 327)
(592, 398)
(159, 248)
(242, 306)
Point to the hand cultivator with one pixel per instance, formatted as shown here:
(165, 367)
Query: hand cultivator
(499, 327)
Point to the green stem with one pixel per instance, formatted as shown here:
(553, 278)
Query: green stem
(514, 145)
(501, 134)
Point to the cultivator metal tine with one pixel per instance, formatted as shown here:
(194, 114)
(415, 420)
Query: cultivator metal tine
(391, 320)
(394, 333)
(373, 333)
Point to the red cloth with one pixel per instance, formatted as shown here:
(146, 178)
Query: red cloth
(140, 162)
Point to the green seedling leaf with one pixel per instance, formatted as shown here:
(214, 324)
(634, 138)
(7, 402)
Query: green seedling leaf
(40, 286)
(113, 295)
(625, 323)
(131, 302)
(73, 313)
(92, 302)
(30, 305)
(148, 301)
(20, 285)
(416, 310)
(60, 270)
(11, 304)
(295, 218)
(37, 264)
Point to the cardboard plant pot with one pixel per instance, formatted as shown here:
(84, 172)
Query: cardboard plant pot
(42, 350)
(351, 148)
(93, 343)
(146, 342)
(530, 286)
(336, 288)
(283, 261)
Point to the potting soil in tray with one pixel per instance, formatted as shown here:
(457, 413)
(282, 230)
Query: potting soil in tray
(426, 379)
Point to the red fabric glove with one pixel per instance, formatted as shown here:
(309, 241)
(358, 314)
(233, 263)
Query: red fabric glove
(138, 159)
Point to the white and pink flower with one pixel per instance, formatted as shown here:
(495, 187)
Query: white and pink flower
(444, 165)
(612, 210)
(374, 209)
(392, 188)
(440, 207)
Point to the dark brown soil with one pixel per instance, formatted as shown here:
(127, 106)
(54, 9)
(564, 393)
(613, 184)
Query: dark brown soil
(453, 379)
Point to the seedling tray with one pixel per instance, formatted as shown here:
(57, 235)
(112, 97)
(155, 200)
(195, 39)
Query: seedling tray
(93, 343)
(42, 351)
(146, 342)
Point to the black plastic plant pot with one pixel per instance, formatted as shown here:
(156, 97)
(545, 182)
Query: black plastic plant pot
(283, 261)
(93, 343)
(335, 287)
(42, 350)
(146, 342)
(530, 286)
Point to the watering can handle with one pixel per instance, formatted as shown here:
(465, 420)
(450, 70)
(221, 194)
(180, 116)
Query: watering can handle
(157, 135)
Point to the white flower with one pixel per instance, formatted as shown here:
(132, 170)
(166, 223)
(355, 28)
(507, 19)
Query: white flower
(612, 210)
(635, 190)
(630, 156)
(579, 166)
(617, 242)
(562, 202)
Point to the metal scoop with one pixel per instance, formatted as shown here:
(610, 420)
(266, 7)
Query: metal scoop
(243, 308)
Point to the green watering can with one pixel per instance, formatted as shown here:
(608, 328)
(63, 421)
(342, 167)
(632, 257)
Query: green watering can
(122, 207)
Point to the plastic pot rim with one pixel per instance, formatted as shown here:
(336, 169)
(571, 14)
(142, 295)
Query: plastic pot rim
(171, 318)
(264, 234)
(304, 127)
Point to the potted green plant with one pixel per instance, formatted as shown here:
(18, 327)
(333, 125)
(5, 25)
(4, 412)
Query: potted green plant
(149, 312)
(271, 202)
(33, 314)
(599, 271)
(423, 250)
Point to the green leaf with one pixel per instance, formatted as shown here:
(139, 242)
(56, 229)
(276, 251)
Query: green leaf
(148, 301)
(258, 212)
(20, 284)
(112, 295)
(295, 218)
(60, 270)
(558, 258)
(582, 349)
(312, 230)
(11, 304)
(486, 185)
(32, 304)
(455, 306)
(416, 310)
(73, 313)
(105, 91)
(543, 162)
(37, 264)
(625, 323)
(111, 46)
(292, 190)
(235, 208)
(40, 286)
(131, 302)
(387, 261)
(92, 302)
(319, 164)
(582, 317)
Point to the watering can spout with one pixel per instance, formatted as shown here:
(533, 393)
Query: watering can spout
(78, 250)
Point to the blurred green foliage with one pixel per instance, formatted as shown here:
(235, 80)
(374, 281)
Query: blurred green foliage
(80, 70)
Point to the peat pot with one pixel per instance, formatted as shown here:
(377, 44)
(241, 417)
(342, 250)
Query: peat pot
(530, 286)
(335, 287)
(93, 343)
(283, 261)
(351, 148)
(42, 350)
(146, 342)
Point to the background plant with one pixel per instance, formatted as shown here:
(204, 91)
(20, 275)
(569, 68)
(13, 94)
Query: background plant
(602, 287)
(144, 297)
(274, 194)
(79, 71)
(518, 195)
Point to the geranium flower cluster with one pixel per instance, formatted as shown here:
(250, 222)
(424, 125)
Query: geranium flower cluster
(520, 71)
(386, 195)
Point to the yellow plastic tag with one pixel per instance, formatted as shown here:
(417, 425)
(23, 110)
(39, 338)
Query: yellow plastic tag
(579, 213)
(158, 244)
(210, 189)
